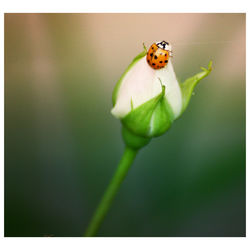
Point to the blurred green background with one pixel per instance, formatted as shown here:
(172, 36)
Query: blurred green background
(62, 145)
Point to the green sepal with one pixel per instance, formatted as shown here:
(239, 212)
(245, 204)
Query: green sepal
(118, 84)
(134, 141)
(150, 119)
(187, 87)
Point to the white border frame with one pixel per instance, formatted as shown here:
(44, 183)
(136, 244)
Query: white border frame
(110, 6)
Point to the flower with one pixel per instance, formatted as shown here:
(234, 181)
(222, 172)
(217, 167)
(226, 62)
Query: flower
(148, 100)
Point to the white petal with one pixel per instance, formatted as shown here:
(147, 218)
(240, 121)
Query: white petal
(137, 87)
(141, 83)
(172, 91)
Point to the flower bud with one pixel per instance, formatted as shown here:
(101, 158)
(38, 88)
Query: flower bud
(148, 100)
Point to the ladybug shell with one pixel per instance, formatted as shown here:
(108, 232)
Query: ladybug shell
(157, 58)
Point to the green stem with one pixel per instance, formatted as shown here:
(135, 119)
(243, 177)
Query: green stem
(106, 201)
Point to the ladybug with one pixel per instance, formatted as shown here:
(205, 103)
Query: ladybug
(158, 55)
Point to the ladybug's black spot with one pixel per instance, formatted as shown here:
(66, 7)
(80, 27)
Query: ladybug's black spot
(160, 61)
(152, 47)
(148, 61)
(153, 64)
(151, 54)
(165, 54)
(155, 57)
(166, 61)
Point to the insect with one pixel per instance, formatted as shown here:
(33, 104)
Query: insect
(158, 54)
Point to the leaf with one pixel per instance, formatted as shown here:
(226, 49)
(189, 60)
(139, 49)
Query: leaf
(188, 86)
(150, 119)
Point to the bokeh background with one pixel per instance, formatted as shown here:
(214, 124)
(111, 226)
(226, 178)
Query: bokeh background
(62, 145)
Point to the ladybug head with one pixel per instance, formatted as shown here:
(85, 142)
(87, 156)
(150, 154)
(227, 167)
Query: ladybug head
(163, 45)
